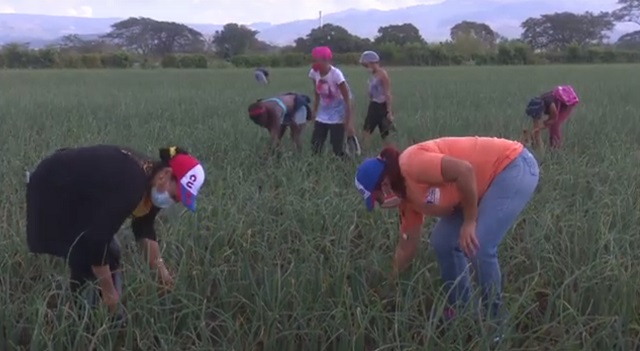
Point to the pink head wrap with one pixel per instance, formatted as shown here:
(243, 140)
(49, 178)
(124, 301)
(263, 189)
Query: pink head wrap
(321, 53)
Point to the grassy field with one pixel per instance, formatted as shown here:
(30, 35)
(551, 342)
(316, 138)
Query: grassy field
(277, 255)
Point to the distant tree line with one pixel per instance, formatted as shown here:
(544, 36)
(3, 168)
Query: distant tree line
(562, 37)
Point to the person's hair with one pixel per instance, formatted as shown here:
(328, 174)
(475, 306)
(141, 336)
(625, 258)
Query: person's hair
(166, 154)
(390, 155)
(257, 112)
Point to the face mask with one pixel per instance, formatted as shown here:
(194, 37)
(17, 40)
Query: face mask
(317, 66)
(161, 200)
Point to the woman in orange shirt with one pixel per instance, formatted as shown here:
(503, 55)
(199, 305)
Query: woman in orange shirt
(476, 185)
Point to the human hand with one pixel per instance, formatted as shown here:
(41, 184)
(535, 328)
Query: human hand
(468, 241)
(111, 299)
(349, 129)
(390, 116)
(525, 138)
(165, 280)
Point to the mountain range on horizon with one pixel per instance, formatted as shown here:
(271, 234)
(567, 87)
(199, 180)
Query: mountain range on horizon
(433, 21)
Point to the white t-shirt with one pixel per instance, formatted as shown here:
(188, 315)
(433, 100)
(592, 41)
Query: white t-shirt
(331, 109)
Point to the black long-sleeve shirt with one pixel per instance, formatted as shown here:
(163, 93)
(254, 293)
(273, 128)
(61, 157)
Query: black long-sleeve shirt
(94, 189)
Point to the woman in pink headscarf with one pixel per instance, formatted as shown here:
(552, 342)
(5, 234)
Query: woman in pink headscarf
(331, 104)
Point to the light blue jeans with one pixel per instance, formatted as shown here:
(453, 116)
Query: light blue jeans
(498, 209)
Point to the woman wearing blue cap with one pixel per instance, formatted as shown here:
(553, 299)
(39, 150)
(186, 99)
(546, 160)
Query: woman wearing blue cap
(477, 187)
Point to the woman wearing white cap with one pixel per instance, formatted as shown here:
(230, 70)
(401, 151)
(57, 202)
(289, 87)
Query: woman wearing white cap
(379, 113)
(78, 198)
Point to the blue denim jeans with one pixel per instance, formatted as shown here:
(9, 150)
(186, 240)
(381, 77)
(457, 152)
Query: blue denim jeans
(498, 209)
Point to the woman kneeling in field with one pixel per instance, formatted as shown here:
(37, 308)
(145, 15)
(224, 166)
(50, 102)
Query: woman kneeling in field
(277, 113)
(78, 198)
(557, 105)
(477, 186)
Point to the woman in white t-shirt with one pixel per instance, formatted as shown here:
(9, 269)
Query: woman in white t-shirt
(331, 103)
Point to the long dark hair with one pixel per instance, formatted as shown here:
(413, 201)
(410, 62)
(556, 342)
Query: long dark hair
(390, 155)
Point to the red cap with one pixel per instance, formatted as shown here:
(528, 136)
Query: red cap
(190, 176)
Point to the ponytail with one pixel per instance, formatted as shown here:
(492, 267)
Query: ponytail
(166, 154)
(390, 155)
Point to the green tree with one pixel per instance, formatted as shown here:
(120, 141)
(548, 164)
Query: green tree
(336, 37)
(628, 12)
(559, 30)
(234, 39)
(16, 55)
(399, 34)
(629, 41)
(147, 37)
(475, 32)
(75, 43)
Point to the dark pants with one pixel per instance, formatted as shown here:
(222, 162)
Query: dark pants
(377, 118)
(336, 134)
(80, 266)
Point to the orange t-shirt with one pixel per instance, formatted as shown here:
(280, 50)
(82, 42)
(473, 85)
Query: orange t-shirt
(421, 164)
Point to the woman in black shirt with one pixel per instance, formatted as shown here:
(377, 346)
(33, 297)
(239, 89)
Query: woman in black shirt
(78, 198)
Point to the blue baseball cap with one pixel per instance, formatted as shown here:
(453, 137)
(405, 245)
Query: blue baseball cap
(367, 177)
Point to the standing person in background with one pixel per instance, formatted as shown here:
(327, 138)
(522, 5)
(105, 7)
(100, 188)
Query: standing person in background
(557, 105)
(78, 198)
(379, 112)
(261, 75)
(331, 106)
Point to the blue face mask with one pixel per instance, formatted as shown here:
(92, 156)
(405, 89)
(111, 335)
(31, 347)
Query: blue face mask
(161, 200)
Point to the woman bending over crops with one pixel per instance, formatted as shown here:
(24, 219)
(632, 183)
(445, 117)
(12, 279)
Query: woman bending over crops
(332, 106)
(78, 198)
(379, 113)
(277, 113)
(557, 105)
(477, 187)
(261, 75)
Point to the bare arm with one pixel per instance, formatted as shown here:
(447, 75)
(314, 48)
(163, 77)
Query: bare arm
(386, 86)
(406, 249)
(274, 133)
(105, 280)
(553, 115)
(344, 91)
(461, 173)
(316, 99)
(536, 137)
(154, 258)
(144, 231)
(296, 130)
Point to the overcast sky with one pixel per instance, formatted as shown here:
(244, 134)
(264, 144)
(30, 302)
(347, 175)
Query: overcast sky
(212, 11)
